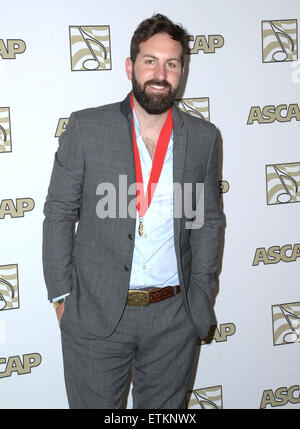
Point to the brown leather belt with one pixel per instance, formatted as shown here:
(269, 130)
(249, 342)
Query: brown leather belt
(146, 297)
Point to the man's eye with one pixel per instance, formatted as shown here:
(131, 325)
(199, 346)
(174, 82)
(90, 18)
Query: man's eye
(149, 61)
(173, 65)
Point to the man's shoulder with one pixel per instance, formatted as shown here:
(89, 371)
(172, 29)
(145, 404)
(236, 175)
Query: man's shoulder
(196, 122)
(103, 111)
(196, 125)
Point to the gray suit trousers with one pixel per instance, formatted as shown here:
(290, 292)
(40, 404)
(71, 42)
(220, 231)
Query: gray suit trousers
(156, 342)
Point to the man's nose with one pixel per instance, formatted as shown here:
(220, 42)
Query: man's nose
(160, 72)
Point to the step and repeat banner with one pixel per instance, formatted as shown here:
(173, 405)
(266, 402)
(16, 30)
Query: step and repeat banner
(243, 74)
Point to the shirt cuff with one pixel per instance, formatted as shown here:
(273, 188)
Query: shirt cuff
(59, 297)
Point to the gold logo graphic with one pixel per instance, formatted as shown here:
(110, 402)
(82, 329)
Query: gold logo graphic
(205, 398)
(5, 132)
(202, 43)
(275, 254)
(279, 40)
(61, 126)
(283, 183)
(219, 334)
(12, 47)
(198, 107)
(271, 113)
(8, 208)
(9, 287)
(286, 323)
(90, 48)
(280, 397)
(19, 365)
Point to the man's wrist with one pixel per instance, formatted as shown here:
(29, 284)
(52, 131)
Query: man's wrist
(58, 302)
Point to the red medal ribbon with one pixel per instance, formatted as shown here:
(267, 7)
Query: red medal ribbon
(143, 202)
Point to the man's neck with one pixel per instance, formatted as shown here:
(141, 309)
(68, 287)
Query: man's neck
(153, 122)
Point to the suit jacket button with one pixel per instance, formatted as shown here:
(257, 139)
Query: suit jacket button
(126, 267)
(130, 236)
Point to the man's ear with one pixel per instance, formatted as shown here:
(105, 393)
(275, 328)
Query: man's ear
(128, 68)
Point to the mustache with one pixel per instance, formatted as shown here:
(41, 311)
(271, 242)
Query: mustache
(162, 83)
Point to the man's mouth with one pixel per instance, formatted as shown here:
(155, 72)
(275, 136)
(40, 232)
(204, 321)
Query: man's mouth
(158, 87)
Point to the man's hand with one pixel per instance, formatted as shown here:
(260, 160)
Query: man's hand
(59, 311)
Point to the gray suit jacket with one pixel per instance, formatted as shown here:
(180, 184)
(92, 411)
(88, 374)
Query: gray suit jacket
(95, 264)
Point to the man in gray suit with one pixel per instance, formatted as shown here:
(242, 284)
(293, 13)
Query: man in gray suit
(132, 288)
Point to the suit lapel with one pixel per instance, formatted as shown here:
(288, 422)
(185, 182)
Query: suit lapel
(179, 150)
(127, 151)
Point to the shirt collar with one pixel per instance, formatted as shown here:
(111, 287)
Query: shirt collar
(137, 126)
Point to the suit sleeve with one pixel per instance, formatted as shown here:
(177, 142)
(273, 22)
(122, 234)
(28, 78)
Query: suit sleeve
(205, 241)
(61, 210)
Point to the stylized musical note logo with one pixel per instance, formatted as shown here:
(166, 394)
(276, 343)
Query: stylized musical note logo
(3, 134)
(90, 48)
(286, 323)
(283, 183)
(279, 41)
(205, 398)
(3, 302)
(5, 139)
(9, 287)
(198, 107)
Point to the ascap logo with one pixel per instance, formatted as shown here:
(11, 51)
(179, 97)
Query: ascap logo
(283, 183)
(61, 126)
(90, 48)
(202, 43)
(270, 113)
(219, 335)
(280, 397)
(19, 365)
(279, 40)
(9, 287)
(205, 398)
(12, 47)
(286, 323)
(5, 131)
(9, 208)
(198, 107)
(275, 254)
(223, 186)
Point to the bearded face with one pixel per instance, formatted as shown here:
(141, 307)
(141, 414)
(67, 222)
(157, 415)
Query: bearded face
(156, 73)
(154, 102)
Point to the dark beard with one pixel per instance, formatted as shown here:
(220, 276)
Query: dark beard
(153, 103)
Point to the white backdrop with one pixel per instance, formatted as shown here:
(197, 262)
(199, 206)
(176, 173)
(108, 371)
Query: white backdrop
(253, 359)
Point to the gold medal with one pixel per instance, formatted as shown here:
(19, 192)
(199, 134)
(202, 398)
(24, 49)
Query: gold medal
(141, 227)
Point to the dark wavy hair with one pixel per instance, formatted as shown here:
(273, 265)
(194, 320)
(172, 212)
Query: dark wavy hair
(156, 24)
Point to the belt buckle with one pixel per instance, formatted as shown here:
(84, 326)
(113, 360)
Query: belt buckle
(138, 297)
